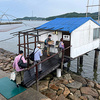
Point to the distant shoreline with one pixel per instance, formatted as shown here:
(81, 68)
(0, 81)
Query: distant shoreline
(67, 15)
(4, 23)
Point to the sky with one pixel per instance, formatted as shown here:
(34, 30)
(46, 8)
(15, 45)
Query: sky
(44, 8)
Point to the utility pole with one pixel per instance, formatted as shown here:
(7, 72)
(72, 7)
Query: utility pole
(93, 6)
(87, 8)
(32, 13)
(96, 50)
(99, 13)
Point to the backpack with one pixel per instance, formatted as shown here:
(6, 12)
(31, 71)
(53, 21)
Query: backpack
(31, 56)
(45, 42)
(21, 64)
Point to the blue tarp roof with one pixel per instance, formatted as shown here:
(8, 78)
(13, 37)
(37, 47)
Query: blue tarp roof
(65, 24)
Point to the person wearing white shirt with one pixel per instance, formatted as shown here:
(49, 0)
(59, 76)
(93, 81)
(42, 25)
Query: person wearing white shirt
(37, 59)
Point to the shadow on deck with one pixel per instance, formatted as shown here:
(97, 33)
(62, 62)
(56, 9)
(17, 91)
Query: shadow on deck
(47, 67)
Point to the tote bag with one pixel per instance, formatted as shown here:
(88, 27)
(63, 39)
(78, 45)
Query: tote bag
(13, 76)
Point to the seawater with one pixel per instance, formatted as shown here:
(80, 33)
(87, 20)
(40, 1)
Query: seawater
(11, 45)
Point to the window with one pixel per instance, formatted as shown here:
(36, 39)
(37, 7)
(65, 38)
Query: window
(96, 33)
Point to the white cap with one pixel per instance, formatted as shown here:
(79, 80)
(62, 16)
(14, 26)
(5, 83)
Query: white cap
(38, 45)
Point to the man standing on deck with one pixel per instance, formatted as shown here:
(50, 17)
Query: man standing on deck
(37, 59)
(47, 44)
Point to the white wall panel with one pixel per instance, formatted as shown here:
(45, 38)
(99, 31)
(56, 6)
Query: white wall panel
(82, 39)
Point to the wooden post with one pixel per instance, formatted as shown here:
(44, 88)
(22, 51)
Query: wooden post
(96, 59)
(37, 78)
(62, 60)
(27, 51)
(24, 47)
(95, 74)
(68, 65)
(78, 64)
(37, 36)
(27, 45)
(81, 60)
(35, 41)
(19, 41)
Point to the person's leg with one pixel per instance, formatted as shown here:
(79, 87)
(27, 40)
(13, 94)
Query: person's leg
(48, 51)
(35, 67)
(39, 66)
(60, 53)
(22, 76)
(18, 78)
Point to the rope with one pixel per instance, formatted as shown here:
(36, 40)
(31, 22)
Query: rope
(7, 39)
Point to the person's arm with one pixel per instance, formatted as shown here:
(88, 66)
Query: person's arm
(24, 61)
(15, 64)
(62, 44)
(40, 53)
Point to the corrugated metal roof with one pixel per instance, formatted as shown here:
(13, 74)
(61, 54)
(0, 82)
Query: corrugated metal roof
(65, 24)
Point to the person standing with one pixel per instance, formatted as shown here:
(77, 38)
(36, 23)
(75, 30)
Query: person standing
(19, 72)
(61, 47)
(48, 45)
(37, 59)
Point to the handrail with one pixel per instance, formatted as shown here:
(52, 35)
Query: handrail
(48, 58)
(36, 65)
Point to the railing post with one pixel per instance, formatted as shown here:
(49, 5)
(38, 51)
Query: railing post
(28, 61)
(37, 78)
(27, 45)
(19, 41)
(35, 41)
(62, 60)
(27, 51)
(24, 47)
(37, 36)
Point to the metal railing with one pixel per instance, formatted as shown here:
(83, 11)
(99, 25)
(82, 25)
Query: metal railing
(36, 65)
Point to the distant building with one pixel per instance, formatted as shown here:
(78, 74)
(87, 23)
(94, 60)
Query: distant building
(81, 33)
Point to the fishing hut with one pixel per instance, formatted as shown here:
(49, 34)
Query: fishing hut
(80, 36)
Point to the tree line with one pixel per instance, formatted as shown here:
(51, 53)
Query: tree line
(67, 15)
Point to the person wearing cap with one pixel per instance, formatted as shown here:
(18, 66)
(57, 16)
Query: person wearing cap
(19, 72)
(37, 59)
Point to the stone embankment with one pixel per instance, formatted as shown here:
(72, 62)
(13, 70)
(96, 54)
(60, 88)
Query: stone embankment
(68, 87)
(6, 60)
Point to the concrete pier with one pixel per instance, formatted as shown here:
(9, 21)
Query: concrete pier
(29, 94)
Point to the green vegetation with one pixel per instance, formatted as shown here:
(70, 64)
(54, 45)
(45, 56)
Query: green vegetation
(67, 15)
(75, 14)
(30, 18)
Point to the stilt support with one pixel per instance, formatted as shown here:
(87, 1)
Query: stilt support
(81, 61)
(78, 65)
(96, 59)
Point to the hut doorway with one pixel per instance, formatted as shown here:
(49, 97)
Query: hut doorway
(66, 40)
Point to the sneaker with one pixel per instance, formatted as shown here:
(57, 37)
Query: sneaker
(17, 85)
(40, 71)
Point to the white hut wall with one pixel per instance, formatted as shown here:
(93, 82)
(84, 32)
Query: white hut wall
(82, 39)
